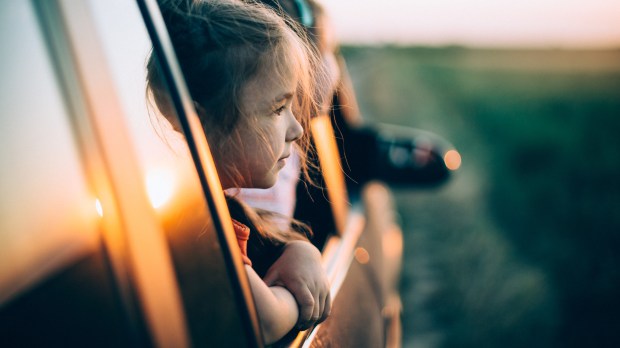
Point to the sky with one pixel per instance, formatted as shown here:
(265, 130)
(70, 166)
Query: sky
(482, 23)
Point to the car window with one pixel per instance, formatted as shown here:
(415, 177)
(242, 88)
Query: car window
(36, 126)
(55, 284)
(214, 313)
(93, 181)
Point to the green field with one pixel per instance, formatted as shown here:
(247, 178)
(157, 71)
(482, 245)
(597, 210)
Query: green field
(522, 247)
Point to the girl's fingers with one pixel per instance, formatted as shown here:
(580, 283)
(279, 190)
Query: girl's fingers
(316, 313)
(316, 310)
(321, 308)
(306, 303)
(327, 307)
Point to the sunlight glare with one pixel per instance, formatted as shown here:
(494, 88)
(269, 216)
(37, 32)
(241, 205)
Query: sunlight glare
(160, 186)
(98, 207)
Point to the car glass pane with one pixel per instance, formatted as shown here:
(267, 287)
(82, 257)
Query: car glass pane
(55, 282)
(170, 179)
(41, 214)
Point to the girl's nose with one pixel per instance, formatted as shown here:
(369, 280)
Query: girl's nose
(294, 130)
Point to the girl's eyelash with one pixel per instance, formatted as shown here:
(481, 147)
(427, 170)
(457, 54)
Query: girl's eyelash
(279, 110)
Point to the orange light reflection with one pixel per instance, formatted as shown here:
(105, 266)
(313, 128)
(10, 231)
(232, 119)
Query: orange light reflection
(362, 256)
(452, 159)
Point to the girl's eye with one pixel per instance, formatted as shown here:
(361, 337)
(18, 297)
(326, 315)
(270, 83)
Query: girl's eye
(279, 110)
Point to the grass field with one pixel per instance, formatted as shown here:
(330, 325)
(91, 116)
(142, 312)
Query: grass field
(522, 247)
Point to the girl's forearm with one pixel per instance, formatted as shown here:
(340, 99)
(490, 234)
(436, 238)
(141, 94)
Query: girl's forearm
(276, 307)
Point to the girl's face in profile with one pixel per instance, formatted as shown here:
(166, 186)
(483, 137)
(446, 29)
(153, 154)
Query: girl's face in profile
(268, 128)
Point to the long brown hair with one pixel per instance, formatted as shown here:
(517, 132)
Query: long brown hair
(221, 45)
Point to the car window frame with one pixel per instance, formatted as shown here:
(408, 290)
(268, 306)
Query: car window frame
(205, 167)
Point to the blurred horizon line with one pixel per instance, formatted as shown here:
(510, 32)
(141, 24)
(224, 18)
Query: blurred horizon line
(398, 44)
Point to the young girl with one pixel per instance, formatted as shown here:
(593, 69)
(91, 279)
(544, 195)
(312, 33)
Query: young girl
(248, 72)
(281, 197)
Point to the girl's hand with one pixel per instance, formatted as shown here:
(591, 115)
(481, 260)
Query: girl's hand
(299, 270)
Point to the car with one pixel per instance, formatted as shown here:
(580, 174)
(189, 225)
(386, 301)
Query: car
(115, 230)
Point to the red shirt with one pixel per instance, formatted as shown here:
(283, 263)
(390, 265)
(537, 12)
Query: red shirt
(243, 234)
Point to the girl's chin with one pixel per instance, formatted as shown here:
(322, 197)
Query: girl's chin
(267, 182)
(270, 178)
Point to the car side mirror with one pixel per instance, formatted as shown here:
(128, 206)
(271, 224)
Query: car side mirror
(399, 156)
(413, 157)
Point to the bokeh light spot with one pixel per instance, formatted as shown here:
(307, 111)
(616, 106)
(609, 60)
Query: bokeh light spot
(452, 159)
(362, 256)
